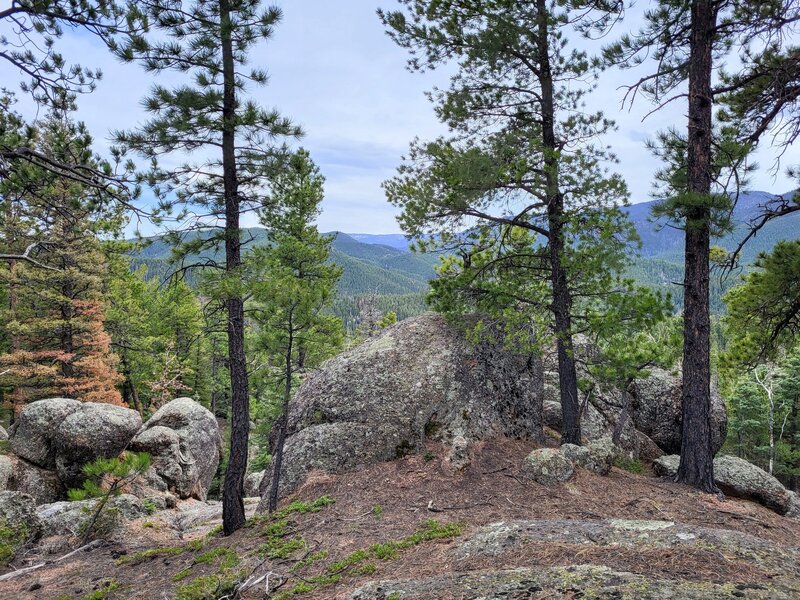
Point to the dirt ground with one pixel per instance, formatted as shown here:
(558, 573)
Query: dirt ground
(388, 503)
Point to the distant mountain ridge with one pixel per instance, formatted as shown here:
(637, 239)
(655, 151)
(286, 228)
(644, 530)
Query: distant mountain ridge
(660, 240)
(383, 264)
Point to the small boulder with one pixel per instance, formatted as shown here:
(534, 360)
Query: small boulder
(252, 484)
(667, 465)
(3, 434)
(18, 510)
(34, 431)
(458, 457)
(551, 413)
(185, 445)
(597, 457)
(739, 478)
(547, 466)
(94, 431)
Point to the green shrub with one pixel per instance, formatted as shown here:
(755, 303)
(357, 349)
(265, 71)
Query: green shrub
(106, 477)
(632, 465)
(12, 537)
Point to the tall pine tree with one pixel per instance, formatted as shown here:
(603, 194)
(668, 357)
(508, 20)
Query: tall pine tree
(520, 189)
(291, 283)
(209, 116)
(56, 311)
(687, 40)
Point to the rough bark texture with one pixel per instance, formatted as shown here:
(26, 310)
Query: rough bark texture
(562, 300)
(282, 426)
(697, 467)
(233, 516)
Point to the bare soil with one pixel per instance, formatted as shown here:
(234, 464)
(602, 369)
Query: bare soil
(390, 501)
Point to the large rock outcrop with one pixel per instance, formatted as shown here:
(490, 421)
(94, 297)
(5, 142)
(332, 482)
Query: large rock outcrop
(657, 410)
(739, 478)
(651, 421)
(422, 379)
(53, 439)
(94, 431)
(185, 445)
(419, 379)
(33, 433)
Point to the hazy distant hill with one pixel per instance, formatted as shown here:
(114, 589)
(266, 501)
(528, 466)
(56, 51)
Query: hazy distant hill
(368, 267)
(382, 264)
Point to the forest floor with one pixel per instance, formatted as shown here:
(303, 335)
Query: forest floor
(369, 534)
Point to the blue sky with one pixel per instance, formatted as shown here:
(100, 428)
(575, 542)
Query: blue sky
(334, 71)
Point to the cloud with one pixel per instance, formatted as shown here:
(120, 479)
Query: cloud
(334, 71)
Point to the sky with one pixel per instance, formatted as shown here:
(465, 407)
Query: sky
(335, 72)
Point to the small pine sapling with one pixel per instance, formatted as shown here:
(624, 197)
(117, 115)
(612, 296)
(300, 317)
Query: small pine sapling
(107, 477)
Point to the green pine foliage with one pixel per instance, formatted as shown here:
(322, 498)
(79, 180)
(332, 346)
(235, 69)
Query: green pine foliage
(291, 282)
(764, 312)
(106, 478)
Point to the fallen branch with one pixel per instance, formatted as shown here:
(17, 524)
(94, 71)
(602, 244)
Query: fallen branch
(27, 570)
(357, 517)
(500, 470)
(436, 509)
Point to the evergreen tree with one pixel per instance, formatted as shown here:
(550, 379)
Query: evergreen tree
(30, 44)
(56, 310)
(520, 191)
(157, 331)
(209, 116)
(764, 312)
(291, 283)
(688, 40)
(789, 393)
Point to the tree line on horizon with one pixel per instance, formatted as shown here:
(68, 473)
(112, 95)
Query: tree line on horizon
(523, 171)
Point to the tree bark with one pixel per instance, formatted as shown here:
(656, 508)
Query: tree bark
(283, 424)
(233, 516)
(696, 465)
(129, 392)
(792, 434)
(562, 297)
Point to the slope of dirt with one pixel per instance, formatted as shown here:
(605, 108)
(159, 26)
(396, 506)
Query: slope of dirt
(369, 534)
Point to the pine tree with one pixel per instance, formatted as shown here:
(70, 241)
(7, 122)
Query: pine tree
(763, 316)
(520, 190)
(291, 283)
(688, 40)
(789, 393)
(56, 315)
(210, 42)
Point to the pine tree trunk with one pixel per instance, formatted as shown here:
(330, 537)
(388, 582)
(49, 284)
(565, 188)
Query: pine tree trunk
(562, 297)
(129, 393)
(233, 516)
(13, 301)
(283, 425)
(771, 435)
(696, 466)
(792, 434)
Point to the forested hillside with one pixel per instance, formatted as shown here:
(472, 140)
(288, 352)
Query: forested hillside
(384, 264)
